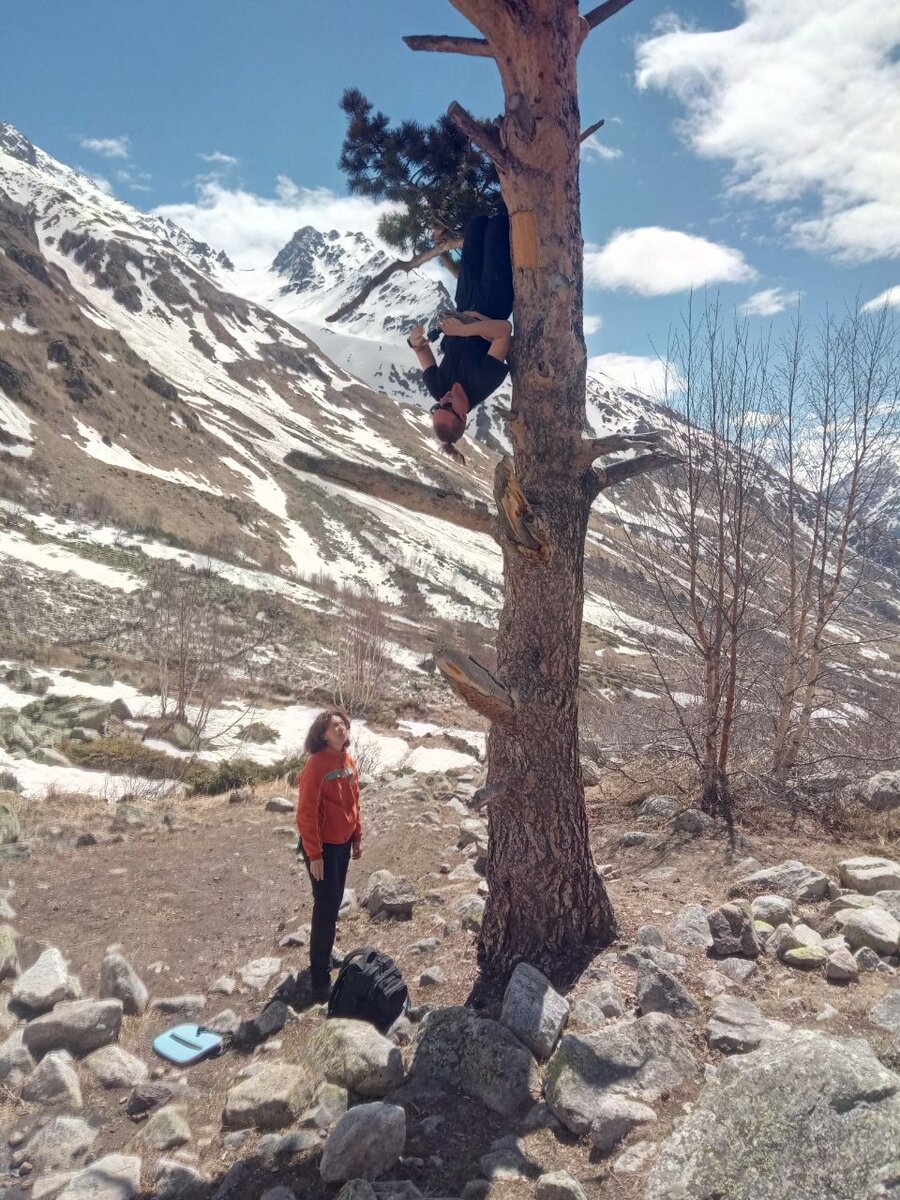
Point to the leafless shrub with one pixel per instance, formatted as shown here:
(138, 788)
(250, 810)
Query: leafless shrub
(368, 757)
(359, 647)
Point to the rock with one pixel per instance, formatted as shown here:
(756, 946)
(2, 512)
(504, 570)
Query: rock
(61, 1144)
(464, 873)
(119, 980)
(146, 1097)
(256, 974)
(48, 1187)
(166, 1129)
(659, 806)
(223, 986)
(275, 1149)
(178, 1181)
(356, 1056)
(78, 1026)
(774, 910)
(801, 1118)
(690, 928)
(53, 1081)
(366, 1142)
(534, 1011)
(614, 1119)
(660, 992)
(473, 832)
(880, 793)
(635, 837)
(480, 1057)
(114, 1067)
(15, 1059)
(650, 935)
(790, 878)
(331, 1103)
(867, 960)
(10, 829)
(842, 967)
(738, 970)
(640, 1059)
(299, 937)
(279, 804)
(732, 932)
(559, 1185)
(470, 910)
(278, 1193)
(886, 1013)
(737, 1026)
(873, 927)
(357, 1189)
(183, 1006)
(390, 894)
(273, 1097)
(504, 1162)
(635, 1158)
(9, 958)
(130, 816)
(868, 874)
(600, 1000)
(889, 901)
(433, 977)
(850, 900)
(805, 958)
(44, 984)
(226, 1021)
(236, 1184)
(113, 1177)
(348, 902)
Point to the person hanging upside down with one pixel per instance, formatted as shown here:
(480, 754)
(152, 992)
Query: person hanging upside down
(477, 341)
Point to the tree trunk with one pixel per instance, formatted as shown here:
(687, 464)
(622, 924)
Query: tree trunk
(547, 903)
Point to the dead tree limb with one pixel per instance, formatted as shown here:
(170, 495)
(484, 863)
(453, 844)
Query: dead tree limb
(614, 443)
(446, 44)
(603, 12)
(515, 514)
(616, 473)
(479, 136)
(586, 133)
(399, 264)
(408, 493)
(474, 684)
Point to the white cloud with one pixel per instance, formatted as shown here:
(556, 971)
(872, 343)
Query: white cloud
(224, 160)
(252, 229)
(592, 323)
(769, 301)
(648, 376)
(803, 100)
(657, 262)
(592, 147)
(108, 147)
(891, 297)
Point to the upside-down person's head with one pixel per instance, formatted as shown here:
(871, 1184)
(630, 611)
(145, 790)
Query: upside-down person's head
(448, 418)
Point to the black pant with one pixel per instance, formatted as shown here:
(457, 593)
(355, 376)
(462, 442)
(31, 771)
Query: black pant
(327, 895)
(485, 272)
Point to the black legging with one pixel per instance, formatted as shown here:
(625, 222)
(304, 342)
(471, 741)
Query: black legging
(485, 274)
(327, 895)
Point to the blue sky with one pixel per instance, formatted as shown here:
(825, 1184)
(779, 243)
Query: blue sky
(750, 147)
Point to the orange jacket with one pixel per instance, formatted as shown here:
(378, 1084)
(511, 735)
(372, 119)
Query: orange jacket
(328, 807)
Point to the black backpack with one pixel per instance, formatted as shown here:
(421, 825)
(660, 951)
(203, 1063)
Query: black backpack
(369, 987)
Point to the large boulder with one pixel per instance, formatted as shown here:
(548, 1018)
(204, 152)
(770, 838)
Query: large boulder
(880, 793)
(790, 878)
(114, 1067)
(637, 1058)
(872, 927)
(78, 1026)
(774, 910)
(119, 980)
(390, 894)
(178, 1181)
(53, 1081)
(533, 1010)
(737, 1026)
(60, 1144)
(479, 1057)
(886, 1013)
(365, 1143)
(44, 984)
(113, 1177)
(690, 929)
(274, 1096)
(659, 991)
(601, 999)
(869, 874)
(802, 1118)
(888, 900)
(356, 1056)
(731, 927)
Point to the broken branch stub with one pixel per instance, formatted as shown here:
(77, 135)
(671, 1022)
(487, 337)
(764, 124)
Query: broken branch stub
(474, 684)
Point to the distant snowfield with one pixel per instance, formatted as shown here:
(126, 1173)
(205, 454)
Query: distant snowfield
(60, 560)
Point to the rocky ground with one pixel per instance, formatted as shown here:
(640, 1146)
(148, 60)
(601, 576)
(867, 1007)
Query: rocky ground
(740, 1040)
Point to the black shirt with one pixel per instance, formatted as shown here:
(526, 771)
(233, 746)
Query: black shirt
(466, 361)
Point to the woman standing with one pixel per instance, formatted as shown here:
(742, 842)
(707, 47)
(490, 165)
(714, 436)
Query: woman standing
(330, 833)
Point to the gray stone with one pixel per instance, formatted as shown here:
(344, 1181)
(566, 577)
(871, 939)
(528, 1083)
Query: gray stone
(237, 1181)
(113, 1177)
(9, 958)
(660, 992)
(276, 1148)
(49, 1186)
(737, 1026)
(635, 837)
(641, 1059)
(273, 1097)
(278, 1193)
(390, 894)
(280, 804)
(226, 1021)
(53, 1081)
(692, 823)
(357, 1189)
(330, 1104)
(10, 829)
(867, 960)
(78, 1026)
(650, 935)
(433, 977)
(480, 1057)
(366, 1142)
(600, 1000)
(869, 874)
(801, 1118)
(889, 901)
(119, 980)
(44, 984)
(738, 970)
(842, 967)
(299, 937)
(506, 1162)
(356, 1056)
(615, 1117)
(60, 1145)
(880, 793)
(182, 1006)
(533, 1010)
(224, 985)
(558, 1185)
(635, 1158)
(659, 806)
(690, 928)
(873, 927)
(256, 974)
(166, 1129)
(805, 958)
(850, 900)
(178, 1181)
(114, 1067)
(635, 955)
(15, 1059)
(732, 932)
(886, 1013)
(790, 878)
(131, 816)
(470, 910)
(774, 910)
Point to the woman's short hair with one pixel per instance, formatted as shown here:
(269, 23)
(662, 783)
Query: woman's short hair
(315, 739)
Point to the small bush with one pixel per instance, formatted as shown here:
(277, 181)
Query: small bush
(123, 756)
(213, 778)
(9, 782)
(259, 732)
